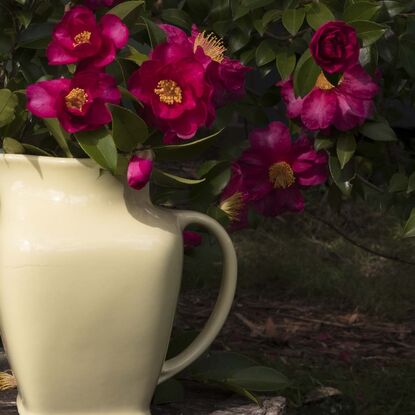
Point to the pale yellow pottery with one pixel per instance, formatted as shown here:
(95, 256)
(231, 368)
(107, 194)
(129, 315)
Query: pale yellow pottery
(90, 274)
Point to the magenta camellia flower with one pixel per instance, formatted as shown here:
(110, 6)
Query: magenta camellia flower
(139, 172)
(234, 200)
(192, 239)
(173, 88)
(96, 4)
(226, 75)
(79, 38)
(335, 47)
(343, 106)
(275, 170)
(79, 103)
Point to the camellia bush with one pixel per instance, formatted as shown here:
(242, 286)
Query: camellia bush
(232, 107)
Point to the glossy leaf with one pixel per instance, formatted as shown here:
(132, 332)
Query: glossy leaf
(100, 146)
(12, 146)
(264, 53)
(124, 9)
(187, 150)
(345, 186)
(31, 149)
(362, 10)
(369, 32)
(260, 379)
(378, 131)
(318, 14)
(128, 129)
(411, 183)
(286, 61)
(346, 146)
(177, 17)
(8, 104)
(398, 183)
(305, 74)
(155, 34)
(322, 142)
(60, 135)
(163, 178)
(293, 19)
(409, 229)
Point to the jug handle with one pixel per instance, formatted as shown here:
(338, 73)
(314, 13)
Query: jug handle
(224, 300)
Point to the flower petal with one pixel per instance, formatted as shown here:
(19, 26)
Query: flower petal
(57, 55)
(43, 97)
(319, 109)
(113, 28)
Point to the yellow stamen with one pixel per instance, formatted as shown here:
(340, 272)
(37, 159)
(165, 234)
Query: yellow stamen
(212, 46)
(82, 38)
(233, 206)
(7, 381)
(281, 175)
(169, 92)
(324, 84)
(76, 99)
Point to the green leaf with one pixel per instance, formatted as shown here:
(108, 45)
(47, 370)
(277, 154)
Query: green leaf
(346, 147)
(411, 183)
(362, 10)
(238, 40)
(264, 53)
(395, 7)
(177, 17)
(219, 366)
(345, 186)
(409, 228)
(36, 36)
(369, 32)
(305, 74)
(318, 14)
(378, 131)
(60, 135)
(293, 19)
(322, 142)
(12, 146)
(31, 149)
(100, 146)
(123, 9)
(286, 61)
(169, 392)
(8, 104)
(133, 55)
(271, 16)
(407, 53)
(398, 183)
(185, 151)
(256, 4)
(128, 129)
(163, 178)
(260, 379)
(155, 33)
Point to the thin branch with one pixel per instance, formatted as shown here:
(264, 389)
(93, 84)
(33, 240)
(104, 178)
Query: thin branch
(358, 244)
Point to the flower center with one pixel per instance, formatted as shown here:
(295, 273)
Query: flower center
(82, 38)
(211, 45)
(76, 99)
(324, 84)
(169, 92)
(233, 206)
(281, 175)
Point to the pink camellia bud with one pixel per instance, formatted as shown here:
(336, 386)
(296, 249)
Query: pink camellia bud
(139, 172)
(191, 239)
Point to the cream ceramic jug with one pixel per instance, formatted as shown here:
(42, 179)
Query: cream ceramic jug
(90, 274)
